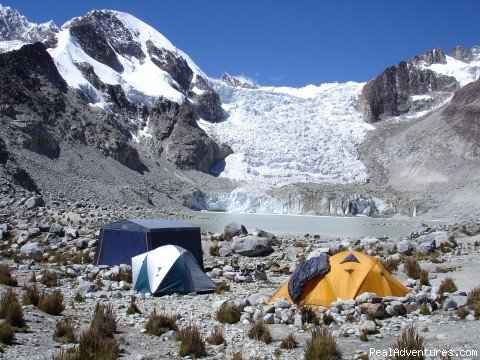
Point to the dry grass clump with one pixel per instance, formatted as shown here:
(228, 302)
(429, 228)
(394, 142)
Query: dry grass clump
(363, 336)
(462, 312)
(51, 303)
(289, 342)
(259, 331)
(300, 244)
(214, 250)
(327, 319)
(64, 332)
(228, 314)
(31, 296)
(11, 310)
(412, 268)
(124, 275)
(191, 342)
(7, 333)
(216, 338)
(6, 277)
(322, 345)
(424, 308)
(93, 346)
(424, 277)
(79, 298)
(104, 320)
(49, 278)
(238, 355)
(447, 286)
(391, 264)
(133, 308)
(473, 301)
(159, 324)
(409, 340)
(309, 316)
(221, 287)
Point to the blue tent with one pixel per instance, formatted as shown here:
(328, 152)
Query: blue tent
(119, 241)
(169, 269)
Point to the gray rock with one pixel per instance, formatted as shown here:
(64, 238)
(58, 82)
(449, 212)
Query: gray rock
(235, 229)
(282, 303)
(34, 202)
(51, 239)
(31, 248)
(297, 321)
(87, 287)
(368, 327)
(82, 243)
(264, 234)
(71, 232)
(318, 252)
(405, 247)
(260, 275)
(251, 246)
(449, 304)
(56, 229)
(427, 246)
(256, 299)
(459, 300)
(225, 250)
(269, 318)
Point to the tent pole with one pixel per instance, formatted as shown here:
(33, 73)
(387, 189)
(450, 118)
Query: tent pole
(101, 246)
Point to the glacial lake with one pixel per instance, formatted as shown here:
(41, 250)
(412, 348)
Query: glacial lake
(307, 224)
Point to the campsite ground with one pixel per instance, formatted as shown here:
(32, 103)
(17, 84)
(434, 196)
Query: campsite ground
(442, 330)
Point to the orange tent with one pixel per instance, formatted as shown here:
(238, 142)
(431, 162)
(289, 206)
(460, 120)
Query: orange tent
(351, 274)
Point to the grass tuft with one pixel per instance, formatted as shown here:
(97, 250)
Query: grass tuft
(221, 288)
(159, 324)
(49, 278)
(321, 345)
(391, 265)
(11, 310)
(133, 308)
(228, 314)
(51, 303)
(412, 268)
(447, 286)
(309, 316)
(214, 250)
(259, 331)
(7, 333)
(6, 277)
(289, 342)
(104, 321)
(64, 332)
(409, 340)
(191, 342)
(216, 338)
(31, 295)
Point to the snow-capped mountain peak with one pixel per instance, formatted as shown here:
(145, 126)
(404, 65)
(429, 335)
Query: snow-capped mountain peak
(15, 27)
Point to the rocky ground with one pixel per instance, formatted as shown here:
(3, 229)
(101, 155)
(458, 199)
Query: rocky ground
(58, 241)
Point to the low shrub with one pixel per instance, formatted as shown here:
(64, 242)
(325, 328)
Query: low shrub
(191, 342)
(7, 333)
(259, 331)
(124, 275)
(51, 303)
(221, 287)
(92, 345)
(309, 316)
(159, 324)
(79, 298)
(228, 314)
(216, 337)
(424, 277)
(412, 268)
(447, 286)
(31, 296)
(64, 332)
(391, 264)
(300, 244)
(49, 278)
(462, 312)
(11, 310)
(409, 340)
(133, 308)
(6, 277)
(363, 336)
(289, 342)
(104, 321)
(214, 250)
(321, 345)
(327, 319)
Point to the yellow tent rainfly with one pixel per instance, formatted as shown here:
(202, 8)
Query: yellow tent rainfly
(351, 273)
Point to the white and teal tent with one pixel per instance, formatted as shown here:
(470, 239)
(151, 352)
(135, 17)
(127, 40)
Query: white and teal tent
(169, 269)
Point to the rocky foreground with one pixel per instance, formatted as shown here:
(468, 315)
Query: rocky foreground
(47, 250)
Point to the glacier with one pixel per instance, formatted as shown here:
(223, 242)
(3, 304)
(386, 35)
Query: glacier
(285, 135)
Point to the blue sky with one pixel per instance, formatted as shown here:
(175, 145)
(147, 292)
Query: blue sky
(291, 43)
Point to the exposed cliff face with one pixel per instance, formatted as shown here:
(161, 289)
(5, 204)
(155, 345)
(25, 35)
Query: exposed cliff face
(390, 93)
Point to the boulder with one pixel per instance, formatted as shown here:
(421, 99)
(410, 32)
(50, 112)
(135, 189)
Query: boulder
(368, 327)
(282, 303)
(251, 246)
(258, 298)
(376, 310)
(264, 234)
(235, 229)
(87, 287)
(405, 247)
(318, 252)
(34, 202)
(56, 229)
(31, 248)
(269, 318)
(427, 244)
(52, 239)
(449, 304)
(459, 300)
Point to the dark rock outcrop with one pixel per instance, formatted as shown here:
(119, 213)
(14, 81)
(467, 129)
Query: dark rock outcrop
(389, 94)
(234, 82)
(462, 53)
(95, 45)
(189, 147)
